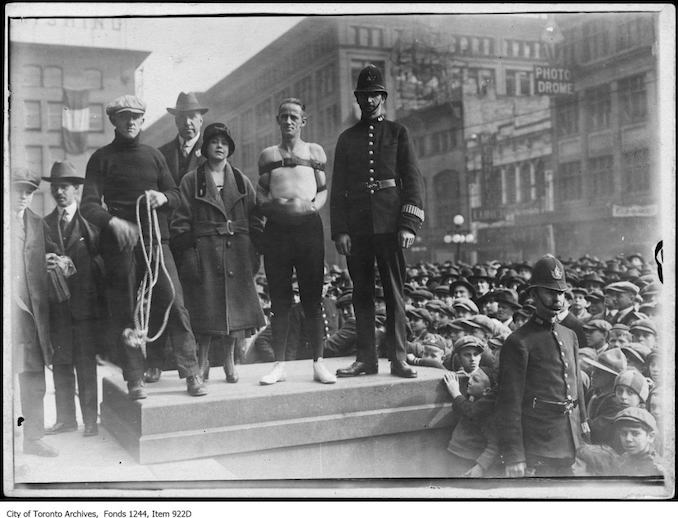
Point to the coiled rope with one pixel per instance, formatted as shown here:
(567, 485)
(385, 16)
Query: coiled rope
(155, 261)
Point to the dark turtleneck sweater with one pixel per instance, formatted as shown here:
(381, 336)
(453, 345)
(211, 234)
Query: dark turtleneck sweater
(117, 174)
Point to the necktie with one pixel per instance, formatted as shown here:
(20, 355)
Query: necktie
(63, 224)
(185, 150)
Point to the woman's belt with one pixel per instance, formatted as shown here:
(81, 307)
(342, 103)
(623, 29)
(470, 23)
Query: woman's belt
(221, 228)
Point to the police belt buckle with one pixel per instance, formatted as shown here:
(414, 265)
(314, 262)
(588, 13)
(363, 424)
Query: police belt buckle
(564, 407)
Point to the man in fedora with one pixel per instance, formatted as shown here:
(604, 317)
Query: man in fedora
(75, 323)
(182, 153)
(116, 176)
(31, 341)
(540, 400)
(376, 209)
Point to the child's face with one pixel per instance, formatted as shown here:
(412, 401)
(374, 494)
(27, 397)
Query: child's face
(470, 358)
(618, 339)
(647, 339)
(595, 338)
(478, 383)
(626, 396)
(635, 439)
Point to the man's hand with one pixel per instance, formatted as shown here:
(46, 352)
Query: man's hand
(476, 471)
(405, 238)
(156, 199)
(126, 233)
(515, 470)
(343, 244)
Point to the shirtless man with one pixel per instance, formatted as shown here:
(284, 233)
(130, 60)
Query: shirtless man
(292, 188)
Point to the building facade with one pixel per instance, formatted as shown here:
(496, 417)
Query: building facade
(605, 144)
(39, 73)
(462, 58)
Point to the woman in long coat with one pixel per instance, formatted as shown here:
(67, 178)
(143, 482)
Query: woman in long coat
(211, 236)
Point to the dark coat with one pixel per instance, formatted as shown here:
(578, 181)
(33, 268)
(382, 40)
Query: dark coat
(32, 342)
(356, 211)
(575, 324)
(178, 165)
(539, 360)
(85, 286)
(217, 266)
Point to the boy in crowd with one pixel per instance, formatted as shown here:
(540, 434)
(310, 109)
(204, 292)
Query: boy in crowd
(425, 348)
(603, 405)
(596, 332)
(636, 430)
(618, 336)
(580, 305)
(473, 445)
(644, 332)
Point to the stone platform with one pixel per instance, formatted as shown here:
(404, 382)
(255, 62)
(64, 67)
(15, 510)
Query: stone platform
(369, 426)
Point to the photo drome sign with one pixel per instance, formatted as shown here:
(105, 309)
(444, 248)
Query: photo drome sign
(552, 81)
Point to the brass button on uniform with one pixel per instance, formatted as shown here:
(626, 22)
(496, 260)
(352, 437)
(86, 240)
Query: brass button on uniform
(370, 152)
(371, 162)
(371, 128)
(230, 273)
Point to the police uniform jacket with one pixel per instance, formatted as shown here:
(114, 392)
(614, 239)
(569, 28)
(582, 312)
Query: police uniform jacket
(85, 286)
(539, 360)
(177, 163)
(371, 151)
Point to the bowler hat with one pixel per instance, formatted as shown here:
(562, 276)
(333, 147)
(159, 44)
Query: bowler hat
(214, 129)
(187, 102)
(370, 80)
(549, 273)
(64, 172)
(25, 177)
(126, 103)
(612, 361)
(636, 415)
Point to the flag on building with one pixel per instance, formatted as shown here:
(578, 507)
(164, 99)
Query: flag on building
(75, 121)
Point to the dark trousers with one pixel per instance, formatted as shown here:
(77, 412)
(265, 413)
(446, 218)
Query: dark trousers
(538, 466)
(32, 391)
(299, 247)
(385, 249)
(85, 365)
(126, 270)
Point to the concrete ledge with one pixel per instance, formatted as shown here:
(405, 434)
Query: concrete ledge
(297, 414)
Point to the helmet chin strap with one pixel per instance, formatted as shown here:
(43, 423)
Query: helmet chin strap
(550, 308)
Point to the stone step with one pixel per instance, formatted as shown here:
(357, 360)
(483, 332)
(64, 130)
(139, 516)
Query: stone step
(246, 417)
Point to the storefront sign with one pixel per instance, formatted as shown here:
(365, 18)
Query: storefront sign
(553, 81)
(633, 211)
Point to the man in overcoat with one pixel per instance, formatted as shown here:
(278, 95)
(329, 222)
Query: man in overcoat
(75, 323)
(540, 402)
(31, 341)
(117, 175)
(376, 209)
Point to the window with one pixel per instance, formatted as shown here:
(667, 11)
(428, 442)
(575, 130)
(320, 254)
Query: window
(303, 89)
(264, 113)
(31, 75)
(518, 83)
(598, 106)
(540, 179)
(52, 77)
(525, 182)
(483, 78)
(596, 42)
(636, 171)
(54, 116)
(488, 47)
(569, 181)
(463, 45)
(447, 197)
(600, 172)
(93, 79)
(34, 159)
(633, 99)
(633, 31)
(567, 48)
(510, 184)
(567, 116)
(326, 79)
(32, 116)
(96, 118)
(367, 36)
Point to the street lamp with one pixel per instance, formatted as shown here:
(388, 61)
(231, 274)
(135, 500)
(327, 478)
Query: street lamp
(459, 236)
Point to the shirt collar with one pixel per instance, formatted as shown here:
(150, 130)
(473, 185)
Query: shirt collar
(70, 211)
(188, 143)
(372, 121)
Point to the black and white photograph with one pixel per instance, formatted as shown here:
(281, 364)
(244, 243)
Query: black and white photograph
(337, 251)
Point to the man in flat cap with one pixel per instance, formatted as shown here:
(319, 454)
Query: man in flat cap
(376, 209)
(117, 175)
(622, 294)
(75, 323)
(32, 344)
(540, 399)
(182, 153)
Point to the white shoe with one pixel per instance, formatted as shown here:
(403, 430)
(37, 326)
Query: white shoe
(276, 374)
(321, 374)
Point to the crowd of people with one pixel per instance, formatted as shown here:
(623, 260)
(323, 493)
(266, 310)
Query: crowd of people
(158, 267)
